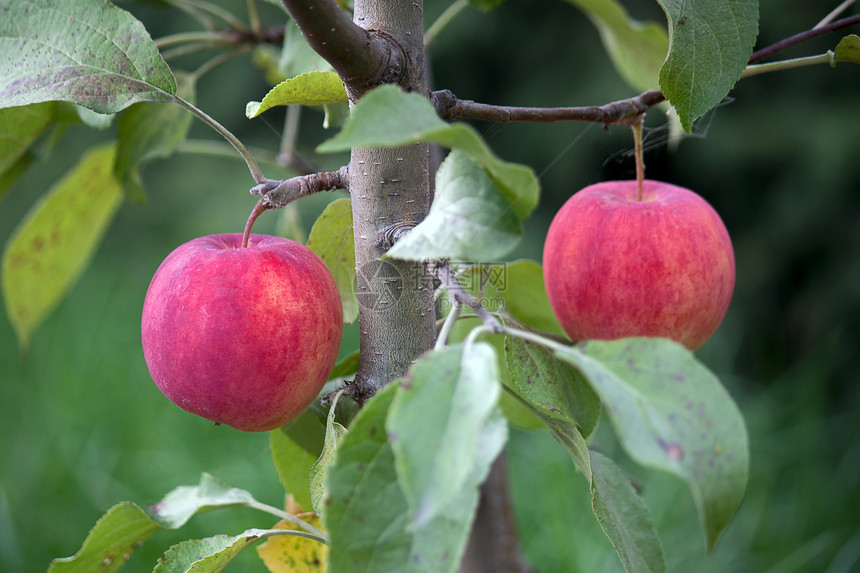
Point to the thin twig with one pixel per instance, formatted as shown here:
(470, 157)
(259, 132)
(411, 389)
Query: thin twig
(222, 58)
(445, 331)
(189, 37)
(626, 111)
(757, 69)
(226, 134)
(443, 271)
(760, 55)
(836, 11)
(213, 10)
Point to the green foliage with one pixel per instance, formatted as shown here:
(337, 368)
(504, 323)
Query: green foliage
(331, 238)
(19, 128)
(212, 554)
(318, 473)
(444, 428)
(369, 532)
(709, 46)
(848, 50)
(150, 131)
(429, 471)
(672, 414)
(58, 51)
(111, 542)
(387, 117)
(293, 464)
(624, 517)
(637, 49)
(310, 88)
(55, 241)
(470, 219)
(550, 385)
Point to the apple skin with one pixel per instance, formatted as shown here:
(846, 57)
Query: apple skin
(242, 336)
(616, 267)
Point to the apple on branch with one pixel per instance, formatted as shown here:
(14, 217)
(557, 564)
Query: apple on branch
(242, 336)
(620, 264)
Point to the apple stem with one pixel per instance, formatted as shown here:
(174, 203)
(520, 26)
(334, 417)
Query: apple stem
(262, 205)
(640, 159)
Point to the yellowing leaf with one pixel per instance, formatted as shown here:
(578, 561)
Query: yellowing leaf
(56, 239)
(312, 88)
(293, 554)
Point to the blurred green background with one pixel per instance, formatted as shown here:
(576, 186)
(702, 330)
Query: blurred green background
(82, 426)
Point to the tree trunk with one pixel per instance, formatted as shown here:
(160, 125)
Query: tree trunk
(390, 193)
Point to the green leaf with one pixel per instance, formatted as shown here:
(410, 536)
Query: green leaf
(150, 131)
(435, 423)
(624, 518)
(368, 517)
(346, 367)
(311, 88)
(569, 435)
(388, 117)
(470, 219)
(709, 46)
(87, 52)
(181, 504)
(14, 171)
(212, 554)
(334, 433)
(331, 238)
(670, 413)
(293, 464)
(848, 50)
(307, 431)
(54, 242)
(516, 287)
(297, 57)
(550, 385)
(90, 118)
(111, 542)
(637, 49)
(266, 57)
(19, 128)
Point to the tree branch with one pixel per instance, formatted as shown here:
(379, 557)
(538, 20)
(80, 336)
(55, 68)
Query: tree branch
(362, 58)
(277, 194)
(626, 111)
(760, 55)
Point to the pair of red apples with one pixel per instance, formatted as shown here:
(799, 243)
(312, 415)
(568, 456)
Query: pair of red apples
(248, 336)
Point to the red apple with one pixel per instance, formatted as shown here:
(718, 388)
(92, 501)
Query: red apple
(242, 336)
(616, 266)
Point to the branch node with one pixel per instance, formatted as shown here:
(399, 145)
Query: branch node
(389, 235)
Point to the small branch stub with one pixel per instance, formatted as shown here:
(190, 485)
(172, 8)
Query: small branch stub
(277, 194)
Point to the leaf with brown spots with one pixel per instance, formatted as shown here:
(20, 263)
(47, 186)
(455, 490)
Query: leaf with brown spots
(551, 385)
(86, 52)
(56, 240)
(670, 413)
